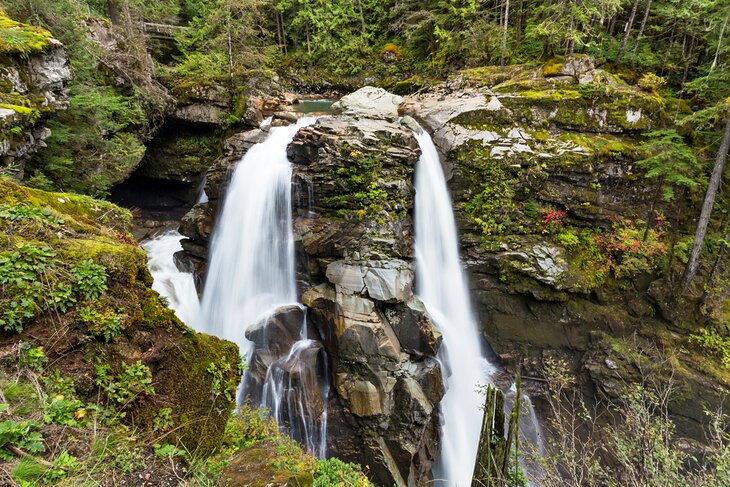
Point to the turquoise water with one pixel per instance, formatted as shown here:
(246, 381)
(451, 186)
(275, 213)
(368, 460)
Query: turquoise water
(314, 106)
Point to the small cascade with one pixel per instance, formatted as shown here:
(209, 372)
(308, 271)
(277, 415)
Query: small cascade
(442, 286)
(178, 287)
(202, 195)
(295, 392)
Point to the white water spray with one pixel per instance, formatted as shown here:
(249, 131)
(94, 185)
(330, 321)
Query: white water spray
(251, 274)
(251, 268)
(178, 287)
(441, 284)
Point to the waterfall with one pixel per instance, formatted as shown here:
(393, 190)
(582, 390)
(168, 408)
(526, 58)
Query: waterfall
(441, 284)
(251, 277)
(177, 287)
(251, 269)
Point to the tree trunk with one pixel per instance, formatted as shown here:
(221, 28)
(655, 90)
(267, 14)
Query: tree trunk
(643, 25)
(694, 259)
(672, 39)
(687, 61)
(503, 59)
(627, 32)
(719, 43)
(113, 8)
(362, 19)
(491, 451)
(230, 46)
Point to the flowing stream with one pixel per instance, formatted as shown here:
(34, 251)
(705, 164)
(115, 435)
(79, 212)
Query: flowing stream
(441, 284)
(177, 287)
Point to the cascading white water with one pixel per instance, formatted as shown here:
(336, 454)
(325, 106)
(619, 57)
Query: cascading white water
(178, 287)
(251, 274)
(441, 284)
(251, 269)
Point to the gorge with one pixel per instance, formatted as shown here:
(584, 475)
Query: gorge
(333, 244)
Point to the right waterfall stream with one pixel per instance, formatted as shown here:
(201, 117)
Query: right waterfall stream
(442, 286)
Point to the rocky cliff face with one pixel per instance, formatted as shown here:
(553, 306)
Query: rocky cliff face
(557, 224)
(558, 232)
(33, 81)
(353, 177)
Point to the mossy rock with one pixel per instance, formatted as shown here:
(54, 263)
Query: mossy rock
(18, 39)
(195, 375)
(262, 465)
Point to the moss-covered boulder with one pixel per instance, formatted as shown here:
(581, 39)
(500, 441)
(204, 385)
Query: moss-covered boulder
(75, 283)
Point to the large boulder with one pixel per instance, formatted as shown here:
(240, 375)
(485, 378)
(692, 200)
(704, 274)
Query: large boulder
(369, 102)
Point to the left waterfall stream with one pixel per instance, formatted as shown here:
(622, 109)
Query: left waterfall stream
(250, 293)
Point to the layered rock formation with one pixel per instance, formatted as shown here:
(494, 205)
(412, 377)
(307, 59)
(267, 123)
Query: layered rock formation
(557, 223)
(32, 86)
(354, 239)
(353, 202)
(557, 230)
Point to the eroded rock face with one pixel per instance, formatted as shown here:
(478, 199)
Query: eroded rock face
(37, 83)
(542, 166)
(353, 177)
(353, 197)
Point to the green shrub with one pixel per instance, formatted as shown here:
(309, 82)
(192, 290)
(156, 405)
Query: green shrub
(718, 345)
(334, 472)
(568, 239)
(22, 435)
(90, 279)
(131, 383)
(60, 410)
(32, 357)
(106, 325)
(651, 82)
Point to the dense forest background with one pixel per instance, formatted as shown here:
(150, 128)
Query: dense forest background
(677, 47)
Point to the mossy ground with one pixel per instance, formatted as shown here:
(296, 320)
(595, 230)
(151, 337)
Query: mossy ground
(76, 229)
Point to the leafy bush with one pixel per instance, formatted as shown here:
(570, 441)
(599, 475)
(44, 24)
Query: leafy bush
(60, 410)
(25, 212)
(23, 292)
(132, 382)
(718, 345)
(21, 435)
(90, 279)
(335, 472)
(568, 239)
(651, 82)
(106, 325)
(32, 357)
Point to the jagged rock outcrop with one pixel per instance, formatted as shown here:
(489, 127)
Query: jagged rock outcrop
(353, 199)
(33, 81)
(353, 174)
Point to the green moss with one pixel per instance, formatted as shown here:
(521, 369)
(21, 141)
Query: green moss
(130, 317)
(553, 67)
(21, 39)
(488, 199)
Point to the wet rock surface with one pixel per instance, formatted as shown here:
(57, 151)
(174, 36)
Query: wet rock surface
(353, 177)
